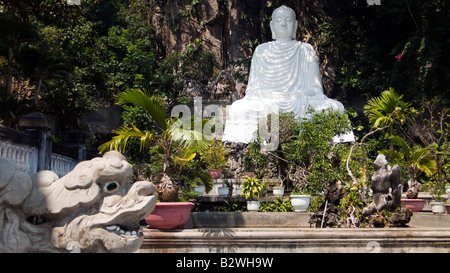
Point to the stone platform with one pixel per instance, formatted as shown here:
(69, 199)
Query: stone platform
(297, 240)
(277, 232)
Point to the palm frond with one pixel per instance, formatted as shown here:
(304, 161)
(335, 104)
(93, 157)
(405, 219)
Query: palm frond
(386, 108)
(190, 139)
(123, 136)
(152, 104)
(405, 148)
(427, 166)
(206, 180)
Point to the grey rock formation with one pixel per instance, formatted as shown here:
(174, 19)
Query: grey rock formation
(386, 187)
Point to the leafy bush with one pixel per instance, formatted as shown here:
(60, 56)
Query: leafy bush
(314, 159)
(278, 205)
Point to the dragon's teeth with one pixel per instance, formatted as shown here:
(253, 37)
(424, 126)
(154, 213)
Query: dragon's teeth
(111, 227)
(128, 233)
(133, 233)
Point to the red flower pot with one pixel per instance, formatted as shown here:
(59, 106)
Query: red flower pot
(170, 215)
(414, 204)
(215, 173)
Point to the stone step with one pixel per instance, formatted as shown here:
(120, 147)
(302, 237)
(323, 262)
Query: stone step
(296, 240)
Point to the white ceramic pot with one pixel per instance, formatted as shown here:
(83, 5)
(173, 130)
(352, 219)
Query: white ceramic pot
(199, 189)
(447, 190)
(223, 191)
(438, 207)
(252, 205)
(238, 191)
(300, 202)
(278, 191)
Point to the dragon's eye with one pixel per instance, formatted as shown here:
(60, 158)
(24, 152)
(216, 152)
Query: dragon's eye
(110, 187)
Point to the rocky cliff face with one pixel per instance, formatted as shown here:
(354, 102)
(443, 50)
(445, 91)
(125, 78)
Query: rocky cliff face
(232, 29)
(225, 27)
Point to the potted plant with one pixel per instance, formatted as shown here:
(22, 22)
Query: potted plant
(300, 201)
(238, 191)
(411, 201)
(415, 159)
(252, 189)
(214, 158)
(226, 189)
(277, 188)
(255, 162)
(437, 190)
(447, 203)
(167, 135)
(202, 183)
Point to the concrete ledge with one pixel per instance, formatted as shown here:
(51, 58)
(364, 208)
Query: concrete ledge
(290, 220)
(429, 219)
(297, 240)
(248, 219)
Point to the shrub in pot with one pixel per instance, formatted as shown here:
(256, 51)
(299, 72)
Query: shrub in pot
(252, 189)
(437, 190)
(214, 157)
(300, 201)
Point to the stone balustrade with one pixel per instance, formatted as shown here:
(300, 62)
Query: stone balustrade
(24, 156)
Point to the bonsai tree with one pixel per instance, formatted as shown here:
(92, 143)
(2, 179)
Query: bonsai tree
(415, 159)
(214, 156)
(167, 134)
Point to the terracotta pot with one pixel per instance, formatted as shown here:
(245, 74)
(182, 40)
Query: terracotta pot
(215, 173)
(249, 174)
(415, 205)
(170, 215)
(447, 208)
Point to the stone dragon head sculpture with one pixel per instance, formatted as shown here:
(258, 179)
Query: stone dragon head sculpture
(94, 208)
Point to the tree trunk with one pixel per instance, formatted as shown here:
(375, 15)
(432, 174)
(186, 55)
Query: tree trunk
(167, 187)
(8, 83)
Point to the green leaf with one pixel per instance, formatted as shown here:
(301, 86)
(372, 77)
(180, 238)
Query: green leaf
(152, 104)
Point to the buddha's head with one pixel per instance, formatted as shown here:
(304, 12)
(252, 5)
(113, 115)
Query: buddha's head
(283, 24)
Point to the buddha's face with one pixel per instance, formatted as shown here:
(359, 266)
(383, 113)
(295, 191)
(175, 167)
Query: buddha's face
(283, 24)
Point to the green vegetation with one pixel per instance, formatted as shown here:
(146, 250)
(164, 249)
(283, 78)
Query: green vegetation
(66, 61)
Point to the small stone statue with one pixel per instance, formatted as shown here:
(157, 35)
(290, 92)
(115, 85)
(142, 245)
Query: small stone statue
(386, 187)
(284, 77)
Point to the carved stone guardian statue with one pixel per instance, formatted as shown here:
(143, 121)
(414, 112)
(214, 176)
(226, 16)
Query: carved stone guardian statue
(94, 208)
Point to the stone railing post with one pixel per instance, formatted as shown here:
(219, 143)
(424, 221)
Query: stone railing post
(41, 127)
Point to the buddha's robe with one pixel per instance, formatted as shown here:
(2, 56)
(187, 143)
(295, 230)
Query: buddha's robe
(283, 77)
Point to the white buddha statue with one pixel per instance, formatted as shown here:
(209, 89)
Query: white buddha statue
(284, 76)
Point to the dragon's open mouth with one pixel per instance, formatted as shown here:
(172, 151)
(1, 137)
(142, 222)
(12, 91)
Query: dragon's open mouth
(125, 230)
